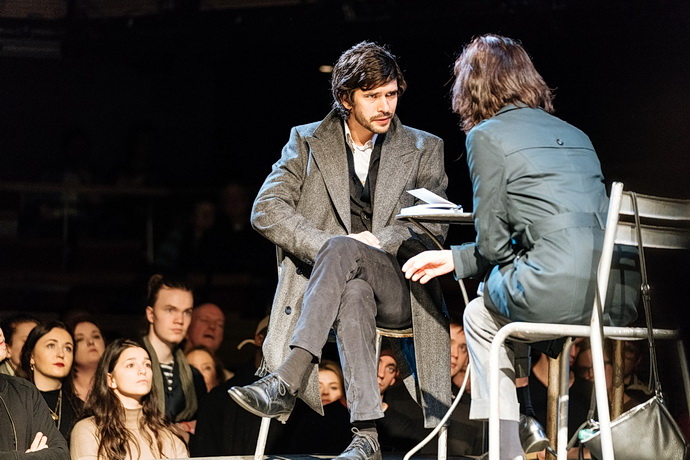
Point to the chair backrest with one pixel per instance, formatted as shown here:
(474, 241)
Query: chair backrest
(665, 224)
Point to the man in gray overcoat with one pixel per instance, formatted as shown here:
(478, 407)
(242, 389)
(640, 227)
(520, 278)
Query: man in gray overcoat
(330, 204)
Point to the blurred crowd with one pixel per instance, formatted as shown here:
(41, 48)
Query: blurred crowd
(69, 392)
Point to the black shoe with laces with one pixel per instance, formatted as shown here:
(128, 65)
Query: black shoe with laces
(363, 447)
(268, 397)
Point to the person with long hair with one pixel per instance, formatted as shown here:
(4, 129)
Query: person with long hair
(26, 426)
(90, 344)
(539, 210)
(124, 419)
(46, 361)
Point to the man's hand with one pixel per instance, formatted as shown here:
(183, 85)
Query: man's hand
(366, 238)
(40, 442)
(428, 265)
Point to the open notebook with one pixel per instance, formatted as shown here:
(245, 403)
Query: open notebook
(434, 204)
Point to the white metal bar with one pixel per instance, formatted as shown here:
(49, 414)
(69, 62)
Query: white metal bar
(261, 441)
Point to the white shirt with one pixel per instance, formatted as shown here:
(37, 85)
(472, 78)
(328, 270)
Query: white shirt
(361, 154)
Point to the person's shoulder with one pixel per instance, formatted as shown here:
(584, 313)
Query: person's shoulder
(83, 426)
(418, 134)
(18, 384)
(328, 125)
(85, 422)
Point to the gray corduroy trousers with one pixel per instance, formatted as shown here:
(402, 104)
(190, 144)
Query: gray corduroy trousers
(353, 288)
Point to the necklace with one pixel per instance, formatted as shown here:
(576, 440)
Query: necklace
(57, 413)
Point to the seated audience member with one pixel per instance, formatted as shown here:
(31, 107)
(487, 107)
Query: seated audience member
(46, 361)
(224, 428)
(403, 424)
(387, 374)
(24, 413)
(169, 312)
(207, 329)
(309, 432)
(205, 362)
(583, 366)
(17, 328)
(124, 420)
(632, 357)
(89, 347)
(465, 436)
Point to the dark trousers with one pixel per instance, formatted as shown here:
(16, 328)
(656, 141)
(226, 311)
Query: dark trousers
(353, 288)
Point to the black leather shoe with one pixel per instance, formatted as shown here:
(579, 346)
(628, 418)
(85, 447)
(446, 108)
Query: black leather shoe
(268, 397)
(362, 447)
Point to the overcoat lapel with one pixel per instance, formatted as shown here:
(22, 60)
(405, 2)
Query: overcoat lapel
(398, 155)
(327, 147)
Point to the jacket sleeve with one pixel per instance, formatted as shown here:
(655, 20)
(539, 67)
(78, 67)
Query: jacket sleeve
(275, 214)
(432, 176)
(39, 420)
(486, 162)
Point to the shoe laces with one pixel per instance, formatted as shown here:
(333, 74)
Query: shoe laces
(266, 383)
(360, 438)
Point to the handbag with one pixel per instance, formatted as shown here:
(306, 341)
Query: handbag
(647, 431)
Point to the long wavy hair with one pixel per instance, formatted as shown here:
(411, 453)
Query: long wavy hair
(491, 72)
(109, 413)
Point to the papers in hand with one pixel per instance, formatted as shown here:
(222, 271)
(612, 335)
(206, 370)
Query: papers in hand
(434, 204)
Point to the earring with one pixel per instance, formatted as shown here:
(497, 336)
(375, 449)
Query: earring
(32, 367)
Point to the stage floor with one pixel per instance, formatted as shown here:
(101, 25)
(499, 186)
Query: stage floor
(386, 456)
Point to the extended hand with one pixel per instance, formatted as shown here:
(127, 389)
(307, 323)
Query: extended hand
(366, 238)
(428, 265)
(40, 442)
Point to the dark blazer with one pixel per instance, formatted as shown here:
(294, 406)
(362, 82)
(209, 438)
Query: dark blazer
(305, 200)
(27, 413)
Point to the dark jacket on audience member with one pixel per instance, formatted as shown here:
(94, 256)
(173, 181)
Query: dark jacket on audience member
(181, 403)
(224, 428)
(402, 426)
(23, 413)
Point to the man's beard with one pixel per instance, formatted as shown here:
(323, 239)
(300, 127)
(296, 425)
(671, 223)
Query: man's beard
(371, 125)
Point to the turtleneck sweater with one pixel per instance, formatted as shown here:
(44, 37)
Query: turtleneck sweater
(85, 440)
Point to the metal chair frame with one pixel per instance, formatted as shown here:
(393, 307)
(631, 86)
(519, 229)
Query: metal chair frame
(671, 218)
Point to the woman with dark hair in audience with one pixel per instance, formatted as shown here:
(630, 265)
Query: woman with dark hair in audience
(26, 428)
(124, 418)
(90, 346)
(46, 361)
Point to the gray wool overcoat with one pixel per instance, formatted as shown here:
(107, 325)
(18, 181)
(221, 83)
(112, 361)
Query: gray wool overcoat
(305, 200)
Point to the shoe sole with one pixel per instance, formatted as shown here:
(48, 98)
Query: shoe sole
(244, 404)
(537, 446)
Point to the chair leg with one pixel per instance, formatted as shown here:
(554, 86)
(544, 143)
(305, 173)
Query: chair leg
(563, 400)
(684, 371)
(494, 391)
(379, 340)
(261, 441)
(443, 443)
(597, 343)
(552, 413)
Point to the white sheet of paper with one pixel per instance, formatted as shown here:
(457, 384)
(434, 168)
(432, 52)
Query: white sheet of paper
(429, 197)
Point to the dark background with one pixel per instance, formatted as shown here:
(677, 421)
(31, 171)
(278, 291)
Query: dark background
(217, 88)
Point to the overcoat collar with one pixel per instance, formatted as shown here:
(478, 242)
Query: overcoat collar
(327, 146)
